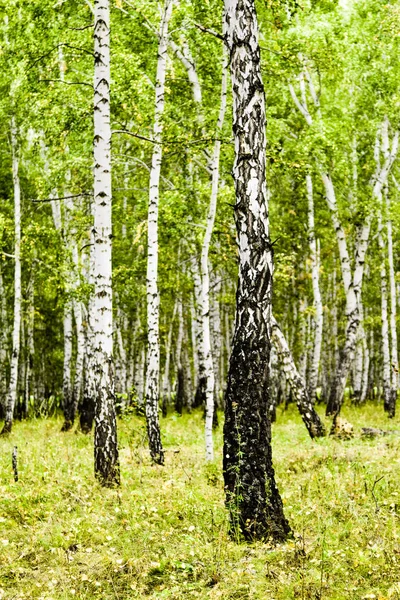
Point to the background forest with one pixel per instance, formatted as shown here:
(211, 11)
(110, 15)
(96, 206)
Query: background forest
(330, 72)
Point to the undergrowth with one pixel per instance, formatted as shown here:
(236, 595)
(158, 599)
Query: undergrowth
(163, 534)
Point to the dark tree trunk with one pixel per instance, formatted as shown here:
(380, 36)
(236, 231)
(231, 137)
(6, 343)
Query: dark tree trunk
(180, 392)
(200, 396)
(86, 416)
(69, 411)
(391, 404)
(252, 497)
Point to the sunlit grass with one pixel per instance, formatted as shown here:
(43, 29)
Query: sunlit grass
(163, 533)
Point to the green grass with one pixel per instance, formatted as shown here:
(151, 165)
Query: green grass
(163, 533)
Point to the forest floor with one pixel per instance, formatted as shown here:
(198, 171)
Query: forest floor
(163, 534)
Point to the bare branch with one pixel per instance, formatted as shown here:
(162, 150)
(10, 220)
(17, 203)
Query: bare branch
(210, 31)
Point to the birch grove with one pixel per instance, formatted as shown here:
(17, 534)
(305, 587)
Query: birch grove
(138, 279)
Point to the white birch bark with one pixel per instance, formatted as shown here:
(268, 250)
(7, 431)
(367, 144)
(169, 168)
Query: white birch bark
(389, 153)
(30, 345)
(193, 334)
(180, 388)
(393, 302)
(105, 438)
(185, 56)
(297, 383)
(366, 365)
(386, 378)
(67, 384)
(205, 275)
(15, 353)
(80, 354)
(139, 378)
(3, 338)
(317, 300)
(153, 300)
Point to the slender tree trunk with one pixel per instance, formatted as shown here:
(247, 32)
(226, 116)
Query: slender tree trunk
(187, 370)
(200, 395)
(30, 347)
(352, 286)
(180, 390)
(13, 385)
(106, 464)
(80, 355)
(253, 499)
(318, 315)
(205, 275)
(3, 343)
(67, 387)
(166, 388)
(153, 300)
(298, 386)
(87, 408)
(386, 375)
(393, 312)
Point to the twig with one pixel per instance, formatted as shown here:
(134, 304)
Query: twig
(210, 31)
(63, 198)
(373, 495)
(56, 48)
(81, 28)
(66, 82)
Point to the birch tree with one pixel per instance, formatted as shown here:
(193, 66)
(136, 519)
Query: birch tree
(253, 499)
(15, 352)
(153, 301)
(318, 309)
(105, 438)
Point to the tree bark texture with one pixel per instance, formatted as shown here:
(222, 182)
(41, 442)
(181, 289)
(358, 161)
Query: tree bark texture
(253, 499)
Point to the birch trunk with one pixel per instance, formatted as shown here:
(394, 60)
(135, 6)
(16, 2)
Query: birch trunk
(318, 309)
(87, 408)
(166, 388)
(205, 275)
(13, 384)
(200, 395)
(3, 342)
(386, 379)
(253, 499)
(80, 354)
(180, 389)
(393, 311)
(67, 387)
(105, 437)
(30, 349)
(297, 383)
(153, 300)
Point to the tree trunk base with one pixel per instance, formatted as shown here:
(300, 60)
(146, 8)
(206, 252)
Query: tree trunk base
(67, 426)
(7, 428)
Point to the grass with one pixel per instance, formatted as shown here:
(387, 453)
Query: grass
(163, 533)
